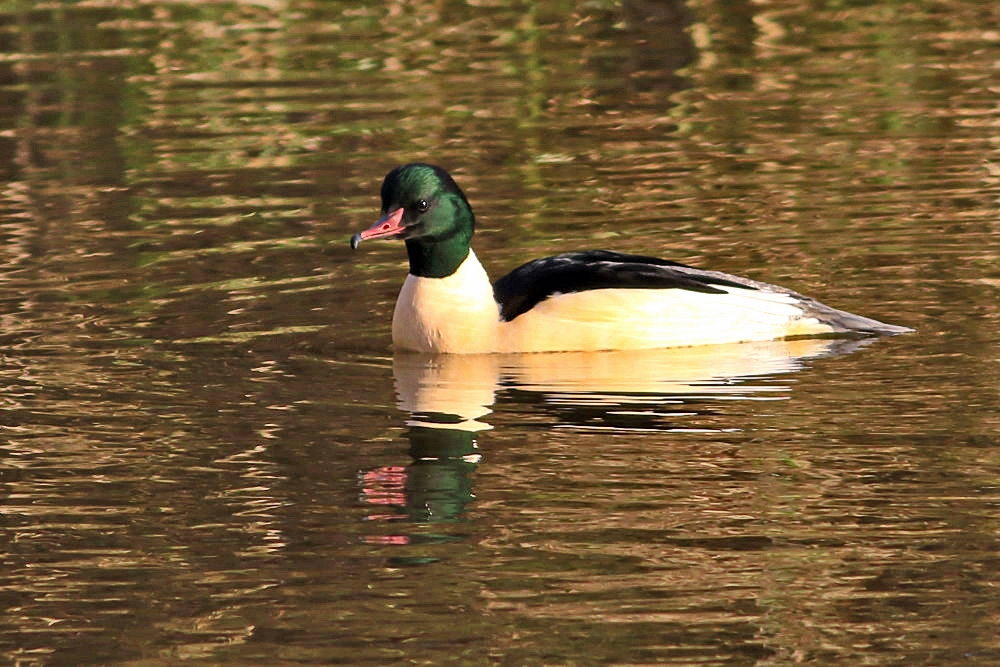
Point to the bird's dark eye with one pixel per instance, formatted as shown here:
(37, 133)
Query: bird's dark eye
(421, 206)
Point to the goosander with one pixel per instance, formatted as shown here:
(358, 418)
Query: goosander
(577, 301)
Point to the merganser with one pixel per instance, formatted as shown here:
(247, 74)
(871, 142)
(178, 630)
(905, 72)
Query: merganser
(577, 301)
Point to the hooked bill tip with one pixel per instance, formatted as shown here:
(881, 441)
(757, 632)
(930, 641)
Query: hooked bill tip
(355, 241)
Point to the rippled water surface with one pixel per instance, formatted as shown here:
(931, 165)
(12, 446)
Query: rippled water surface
(208, 451)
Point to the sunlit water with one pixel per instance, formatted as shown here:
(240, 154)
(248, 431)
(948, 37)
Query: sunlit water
(208, 451)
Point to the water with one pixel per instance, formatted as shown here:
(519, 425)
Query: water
(208, 451)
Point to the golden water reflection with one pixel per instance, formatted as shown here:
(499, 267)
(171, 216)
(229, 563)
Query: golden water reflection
(465, 386)
(203, 456)
(449, 399)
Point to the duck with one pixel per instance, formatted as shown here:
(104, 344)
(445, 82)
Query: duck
(589, 300)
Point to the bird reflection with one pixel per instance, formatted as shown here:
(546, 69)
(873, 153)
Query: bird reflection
(448, 398)
(445, 396)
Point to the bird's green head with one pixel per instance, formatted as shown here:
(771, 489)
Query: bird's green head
(423, 205)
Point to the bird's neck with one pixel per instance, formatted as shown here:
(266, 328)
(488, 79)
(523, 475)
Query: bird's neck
(438, 258)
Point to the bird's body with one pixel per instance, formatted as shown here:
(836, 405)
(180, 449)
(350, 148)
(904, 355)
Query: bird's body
(592, 300)
(455, 314)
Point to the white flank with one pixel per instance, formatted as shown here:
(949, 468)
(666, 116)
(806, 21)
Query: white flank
(632, 319)
(458, 314)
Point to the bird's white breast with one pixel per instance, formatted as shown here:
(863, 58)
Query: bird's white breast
(455, 314)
